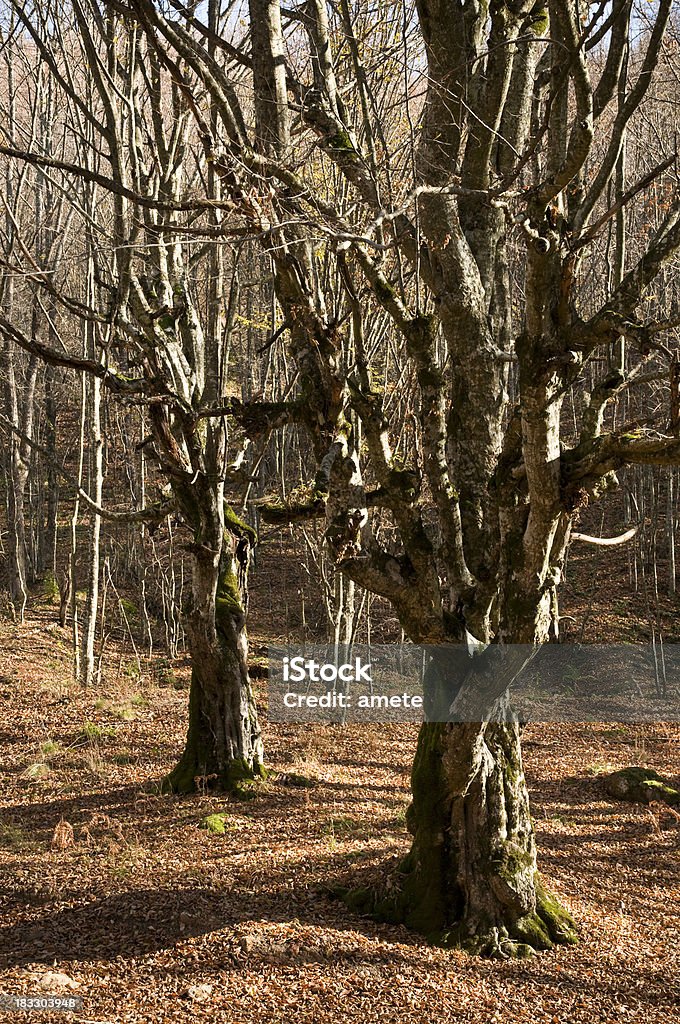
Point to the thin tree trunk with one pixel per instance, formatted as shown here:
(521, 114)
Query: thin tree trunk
(91, 607)
(47, 542)
(72, 588)
(17, 471)
(96, 489)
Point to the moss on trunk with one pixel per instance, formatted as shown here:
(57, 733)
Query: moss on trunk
(207, 763)
(223, 746)
(470, 878)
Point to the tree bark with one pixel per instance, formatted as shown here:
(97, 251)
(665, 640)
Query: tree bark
(47, 542)
(224, 745)
(470, 878)
(96, 489)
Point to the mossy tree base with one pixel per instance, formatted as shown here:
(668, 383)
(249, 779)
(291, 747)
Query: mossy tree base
(223, 747)
(191, 776)
(547, 926)
(470, 879)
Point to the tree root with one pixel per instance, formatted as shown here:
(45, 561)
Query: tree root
(488, 936)
(237, 778)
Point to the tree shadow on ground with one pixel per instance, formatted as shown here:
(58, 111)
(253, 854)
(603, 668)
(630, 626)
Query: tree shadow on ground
(138, 922)
(153, 813)
(240, 930)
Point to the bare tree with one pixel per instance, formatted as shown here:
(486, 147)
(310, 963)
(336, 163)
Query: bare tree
(19, 381)
(153, 347)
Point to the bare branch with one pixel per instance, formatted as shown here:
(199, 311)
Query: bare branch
(605, 542)
(150, 514)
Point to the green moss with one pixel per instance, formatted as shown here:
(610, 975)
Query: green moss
(342, 143)
(167, 322)
(558, 922)
(200, 768)
(424, 892)
(244, 782)
(237, 526)
(384, 291)
(519, 950)
(228, 596)
(490, 942)
(532, 931)
(50, 587)
(239, 772)
(236, 778)
(94, 733)
(540, 20)
(511, 864)
(415, 898)
(182, 779)
(215, 823)
(640, 785)
(660, 791)
(128, 608)
(411, 905)
(50, 747)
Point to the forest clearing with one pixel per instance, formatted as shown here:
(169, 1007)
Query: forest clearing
(155, 917)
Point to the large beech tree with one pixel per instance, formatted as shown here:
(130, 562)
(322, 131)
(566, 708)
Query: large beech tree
(474, 223)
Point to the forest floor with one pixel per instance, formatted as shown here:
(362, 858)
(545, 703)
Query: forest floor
(149, 917)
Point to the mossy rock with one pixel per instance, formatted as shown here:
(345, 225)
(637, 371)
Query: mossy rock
(215, 823)
(640, 786)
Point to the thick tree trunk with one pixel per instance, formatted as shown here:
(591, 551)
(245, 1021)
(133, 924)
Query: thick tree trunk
(223, 745)
(470, 878)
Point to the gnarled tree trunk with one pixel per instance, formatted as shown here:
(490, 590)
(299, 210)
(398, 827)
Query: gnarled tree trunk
(223, 745)
(470, 878)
